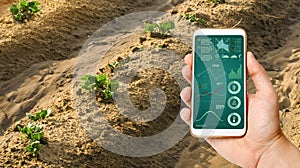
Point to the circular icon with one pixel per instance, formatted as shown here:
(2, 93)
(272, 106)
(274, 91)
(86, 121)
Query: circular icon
(234, 102)
(234, 87)
(234, 119)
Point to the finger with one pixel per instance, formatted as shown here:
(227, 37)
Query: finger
(186, 95)
(187, 73)
(188, 59)
(185, 115)
(259, 76)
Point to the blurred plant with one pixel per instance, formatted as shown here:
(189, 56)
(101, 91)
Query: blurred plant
(100, 83)
(160, 46)
(24, 10)
(165, 27)
(39, 115)
(161, 28)
(113, 65)
(194, 18)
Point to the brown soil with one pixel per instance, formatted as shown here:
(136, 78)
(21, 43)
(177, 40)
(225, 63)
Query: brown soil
(37, 66)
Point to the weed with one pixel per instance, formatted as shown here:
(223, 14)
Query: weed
(161, 28)
(24, 10)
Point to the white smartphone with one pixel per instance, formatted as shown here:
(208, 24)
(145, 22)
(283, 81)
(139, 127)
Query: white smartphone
(219, 107)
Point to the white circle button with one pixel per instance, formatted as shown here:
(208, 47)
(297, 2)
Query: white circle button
(234, 87)
(234, 102)
(234, 119)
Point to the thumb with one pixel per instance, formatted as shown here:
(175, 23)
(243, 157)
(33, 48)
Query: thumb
(263, 85)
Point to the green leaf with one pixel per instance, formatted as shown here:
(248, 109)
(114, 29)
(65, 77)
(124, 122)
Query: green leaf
(36, 3)
(23, 4)
(150, 27)
(33, 146)
(165, 27)
(14, 9)
(108, 94)
(32, 117)
(37, 136)
(39, 115)
(101, 80)
(113, 65)
(113, 85)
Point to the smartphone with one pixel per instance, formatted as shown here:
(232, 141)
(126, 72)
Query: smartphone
(219, 83)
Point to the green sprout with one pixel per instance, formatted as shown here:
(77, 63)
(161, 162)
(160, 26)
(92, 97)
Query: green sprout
(24, 10)
(194, 19)
(33, 147)
(165, 27)
(150, 27)
(39, 115)
(113, 65)
(34, 134)
(100, 83)
(161, 28)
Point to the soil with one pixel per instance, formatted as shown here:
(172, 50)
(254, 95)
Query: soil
(39, 59)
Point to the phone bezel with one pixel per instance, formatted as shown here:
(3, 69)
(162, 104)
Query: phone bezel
(221, 132)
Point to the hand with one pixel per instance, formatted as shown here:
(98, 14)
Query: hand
(264, 137)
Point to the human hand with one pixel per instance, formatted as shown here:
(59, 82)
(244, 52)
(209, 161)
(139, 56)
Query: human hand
(264, 137)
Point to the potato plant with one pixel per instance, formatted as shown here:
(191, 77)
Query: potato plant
(101, 84)
(39, 115)
(194, 19)
(161, 28)
(34, 132)
(24, 10)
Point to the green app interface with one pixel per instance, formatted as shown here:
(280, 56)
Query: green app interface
(219, 82)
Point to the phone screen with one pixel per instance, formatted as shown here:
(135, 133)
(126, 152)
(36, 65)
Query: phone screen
(218, 98)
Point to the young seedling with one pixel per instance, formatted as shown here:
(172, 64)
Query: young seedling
(165, 27)
(194, 19)
(150, 27)
(33, 147)
(100, 83)
(24, 10)
(34, 134)
(91, 82)
(39, 115)
(113, 65)
(161, 28)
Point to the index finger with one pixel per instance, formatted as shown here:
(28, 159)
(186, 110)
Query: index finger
(188, 59)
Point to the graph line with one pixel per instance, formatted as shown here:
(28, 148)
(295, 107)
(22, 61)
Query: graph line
(206, 113)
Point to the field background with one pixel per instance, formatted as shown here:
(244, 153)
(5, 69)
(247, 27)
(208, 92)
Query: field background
(37, 62)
